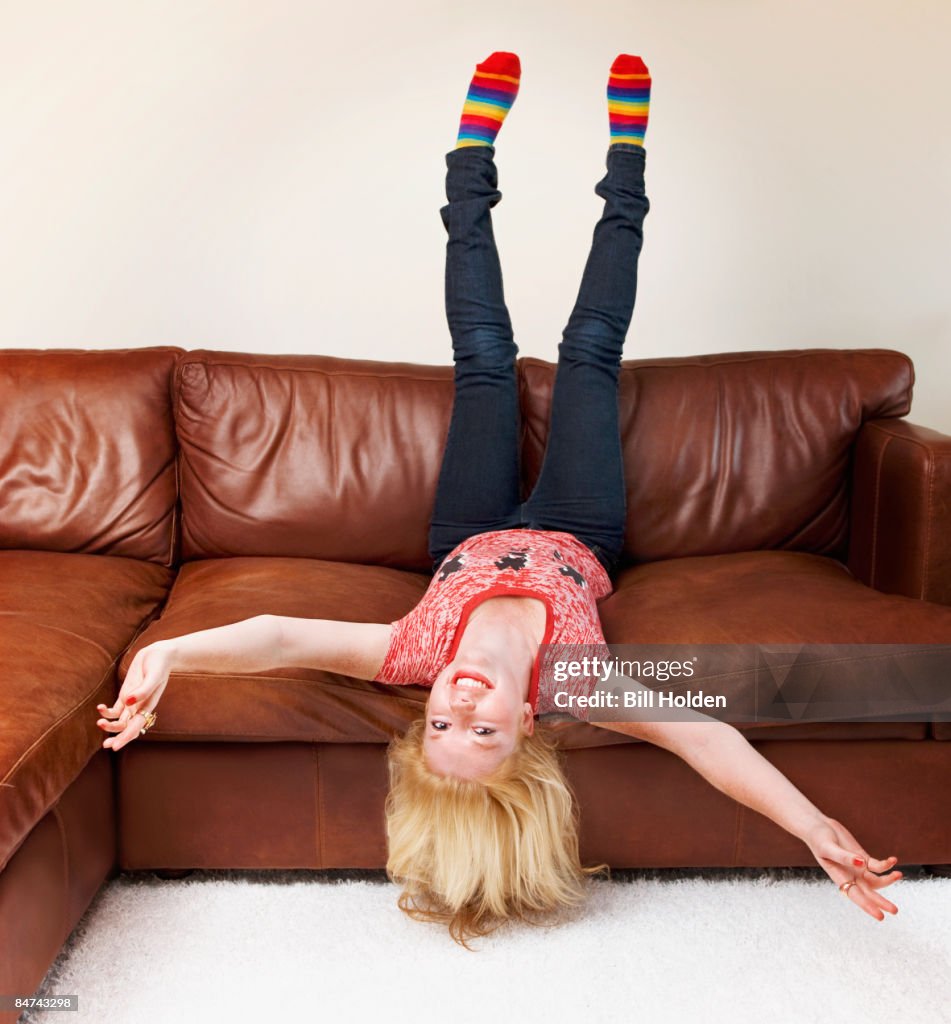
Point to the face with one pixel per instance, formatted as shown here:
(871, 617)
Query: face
(475, 717)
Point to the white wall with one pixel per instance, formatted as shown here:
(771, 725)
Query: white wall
(266, 176)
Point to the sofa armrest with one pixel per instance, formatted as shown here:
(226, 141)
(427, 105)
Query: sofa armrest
(900, 529)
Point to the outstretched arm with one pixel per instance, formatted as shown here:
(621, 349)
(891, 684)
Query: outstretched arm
(251, 645)
(724, 757)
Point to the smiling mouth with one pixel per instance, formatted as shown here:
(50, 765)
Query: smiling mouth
(471, 681)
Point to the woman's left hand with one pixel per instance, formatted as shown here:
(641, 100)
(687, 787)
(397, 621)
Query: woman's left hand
(844, 860)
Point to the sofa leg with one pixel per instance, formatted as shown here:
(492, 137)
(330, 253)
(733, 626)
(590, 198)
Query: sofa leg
(172, 872)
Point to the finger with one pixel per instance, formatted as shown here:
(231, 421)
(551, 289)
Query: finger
(854, 858)
(863, 899)
(867, 901)
(106, 719)
(873, 863)
(877, 900)
(116, 709)
(117, 724)
(123, 720)
(125, 715)
(129, 733)
(131, 727)
(880, 881)
(118, 742)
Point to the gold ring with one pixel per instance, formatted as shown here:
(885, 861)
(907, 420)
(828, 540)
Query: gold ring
(845, 886)
(150, 717)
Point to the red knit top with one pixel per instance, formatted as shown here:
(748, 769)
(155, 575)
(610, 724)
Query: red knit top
(554, 567)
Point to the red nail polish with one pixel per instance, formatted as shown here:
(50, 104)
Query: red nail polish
(130, 700)
(857, 862)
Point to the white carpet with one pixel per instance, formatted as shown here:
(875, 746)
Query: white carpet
(730, 947)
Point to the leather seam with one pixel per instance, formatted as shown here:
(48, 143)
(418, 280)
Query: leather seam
(899, 436)
(926, 554)
(170, 561)
(315, 369)
(65, 717)
(173, 411)
(761, 356)
(932, 457)
(61, 629)
(61, 827)
(332, 445)
(875, 509)
(742, 357)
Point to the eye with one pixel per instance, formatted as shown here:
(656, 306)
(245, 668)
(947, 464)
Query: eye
(481, 730)
(440, 726)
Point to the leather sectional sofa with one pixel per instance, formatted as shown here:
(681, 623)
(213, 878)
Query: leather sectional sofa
(145, 493)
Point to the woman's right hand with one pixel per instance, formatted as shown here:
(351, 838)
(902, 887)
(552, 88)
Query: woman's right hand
(844, 860)
(141, 690)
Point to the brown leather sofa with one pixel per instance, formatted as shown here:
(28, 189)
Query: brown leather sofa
(145, 493)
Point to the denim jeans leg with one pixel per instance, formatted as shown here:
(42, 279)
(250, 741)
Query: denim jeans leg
(581, 487)
(479, 486)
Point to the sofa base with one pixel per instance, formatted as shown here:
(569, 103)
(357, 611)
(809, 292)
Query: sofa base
(53, 877)
(297, 805)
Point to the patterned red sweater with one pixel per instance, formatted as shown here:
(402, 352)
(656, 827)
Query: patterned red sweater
(552, 566)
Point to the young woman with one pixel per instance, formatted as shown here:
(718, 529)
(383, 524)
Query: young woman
(480, 820)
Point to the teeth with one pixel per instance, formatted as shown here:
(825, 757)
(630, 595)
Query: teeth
(472, 684)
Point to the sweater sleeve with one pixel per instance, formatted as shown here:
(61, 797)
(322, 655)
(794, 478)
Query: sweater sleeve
(406, 660)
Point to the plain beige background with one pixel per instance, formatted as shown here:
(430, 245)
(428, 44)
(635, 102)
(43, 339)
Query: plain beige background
(266, 176)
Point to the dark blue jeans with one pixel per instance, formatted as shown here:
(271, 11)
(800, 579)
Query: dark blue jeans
(580, 489)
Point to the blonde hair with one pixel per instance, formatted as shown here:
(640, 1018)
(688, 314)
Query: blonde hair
(472, 853)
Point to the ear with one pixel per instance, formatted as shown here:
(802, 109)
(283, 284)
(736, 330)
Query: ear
(528, 719)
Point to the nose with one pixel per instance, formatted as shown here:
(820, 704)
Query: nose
(460, 698)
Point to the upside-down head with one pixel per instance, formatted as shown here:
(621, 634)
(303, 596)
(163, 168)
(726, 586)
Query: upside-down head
(474, 852)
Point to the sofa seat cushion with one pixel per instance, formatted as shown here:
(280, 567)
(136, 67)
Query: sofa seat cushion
(308, 705)
(296, 704)
(768, 597)
(773, 597)
(65, 619)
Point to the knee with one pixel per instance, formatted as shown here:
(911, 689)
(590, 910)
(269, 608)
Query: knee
(478, 350)
(591, 345)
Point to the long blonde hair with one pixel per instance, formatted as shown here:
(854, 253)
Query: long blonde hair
(472, 853)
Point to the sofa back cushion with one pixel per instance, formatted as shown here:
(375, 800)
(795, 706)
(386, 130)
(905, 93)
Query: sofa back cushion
(740, 451)
(87, 451)
(309, 456)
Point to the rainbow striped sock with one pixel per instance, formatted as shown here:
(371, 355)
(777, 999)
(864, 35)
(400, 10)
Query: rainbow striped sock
(491, 94)
(629, 96)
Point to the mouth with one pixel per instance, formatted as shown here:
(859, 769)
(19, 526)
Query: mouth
(470, 681)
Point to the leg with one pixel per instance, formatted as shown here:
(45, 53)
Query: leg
(478, 487)
(581, 485)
